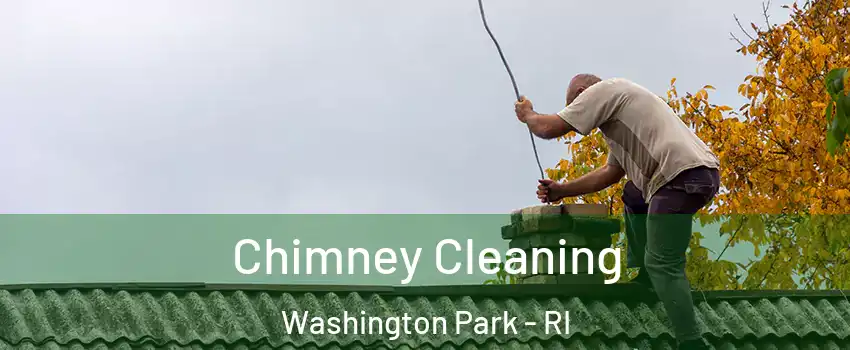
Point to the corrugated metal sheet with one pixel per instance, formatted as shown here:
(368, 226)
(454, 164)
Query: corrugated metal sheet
(576, 343)
(231, 319)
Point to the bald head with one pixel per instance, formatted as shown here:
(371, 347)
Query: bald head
(580, 83)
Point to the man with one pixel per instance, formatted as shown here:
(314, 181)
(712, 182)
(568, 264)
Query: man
(670, 171)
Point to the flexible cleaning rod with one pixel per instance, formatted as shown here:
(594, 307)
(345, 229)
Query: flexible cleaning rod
(513, 81)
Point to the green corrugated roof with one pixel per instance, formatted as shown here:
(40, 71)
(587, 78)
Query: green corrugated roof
(602, 317)
(578, 342)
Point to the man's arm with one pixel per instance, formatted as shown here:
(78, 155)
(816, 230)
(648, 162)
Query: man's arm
(594, 181)
(547, 126)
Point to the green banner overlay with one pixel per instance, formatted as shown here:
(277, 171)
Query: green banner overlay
(392, 250)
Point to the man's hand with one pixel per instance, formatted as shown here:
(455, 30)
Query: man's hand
(523, 109)
(594, 181)
(549, 191)
(545, 126)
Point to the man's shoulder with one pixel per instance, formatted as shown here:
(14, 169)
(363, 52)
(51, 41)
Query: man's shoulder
(610, 91)
(625, 88)
(617, 80)
(614, 85)
(621, 83)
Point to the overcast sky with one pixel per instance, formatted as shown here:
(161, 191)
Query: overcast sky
(317, 106)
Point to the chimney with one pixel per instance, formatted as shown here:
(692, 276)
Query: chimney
(543, 226)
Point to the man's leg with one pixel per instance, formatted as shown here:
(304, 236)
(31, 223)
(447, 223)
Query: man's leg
(636, 208)
(669, 229)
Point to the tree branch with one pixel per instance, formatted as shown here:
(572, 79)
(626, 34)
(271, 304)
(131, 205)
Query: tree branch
(742, 28)
(705, 117)
(769, 270)
(764, 7)
(729, 241)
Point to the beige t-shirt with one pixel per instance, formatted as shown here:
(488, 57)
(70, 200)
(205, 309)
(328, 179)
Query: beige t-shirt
(645, 136)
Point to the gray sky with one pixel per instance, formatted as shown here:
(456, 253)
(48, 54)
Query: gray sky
(317, 106)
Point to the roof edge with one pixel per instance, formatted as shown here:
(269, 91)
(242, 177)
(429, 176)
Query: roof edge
(595, 291)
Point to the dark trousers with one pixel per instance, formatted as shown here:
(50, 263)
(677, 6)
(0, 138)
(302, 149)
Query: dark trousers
(658, 236)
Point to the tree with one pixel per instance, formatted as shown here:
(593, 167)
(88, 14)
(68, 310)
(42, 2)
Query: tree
(781, 190)
(838, 109)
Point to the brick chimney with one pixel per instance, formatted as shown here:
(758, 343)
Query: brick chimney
(544, 226)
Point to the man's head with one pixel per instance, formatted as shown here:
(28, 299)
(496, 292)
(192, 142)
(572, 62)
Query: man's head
(578, 84)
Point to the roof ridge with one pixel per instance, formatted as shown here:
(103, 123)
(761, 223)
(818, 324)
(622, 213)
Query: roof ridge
(596, 291)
